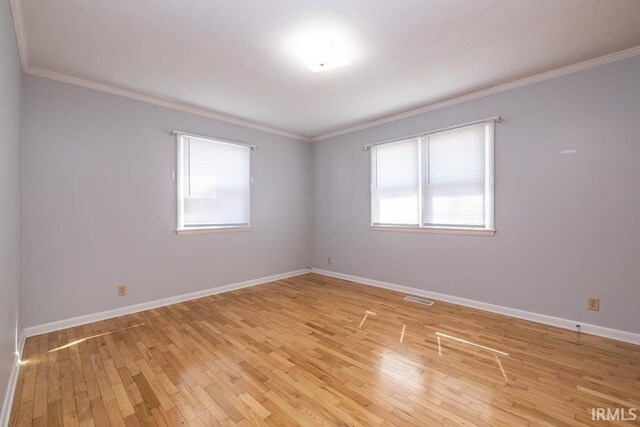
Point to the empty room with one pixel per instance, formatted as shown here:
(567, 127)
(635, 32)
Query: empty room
(319, 212)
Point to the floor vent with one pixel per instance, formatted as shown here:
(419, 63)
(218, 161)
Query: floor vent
(419, 300)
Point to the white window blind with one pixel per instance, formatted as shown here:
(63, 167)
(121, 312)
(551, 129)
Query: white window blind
(396, 183)
(213, 183)
(437, 180)
(454, 165)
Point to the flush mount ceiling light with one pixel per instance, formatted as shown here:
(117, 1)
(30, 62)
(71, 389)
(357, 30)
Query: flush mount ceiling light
(325, 56)
(321, 48)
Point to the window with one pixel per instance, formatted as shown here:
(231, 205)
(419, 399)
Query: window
(436, 181)
(213, 181)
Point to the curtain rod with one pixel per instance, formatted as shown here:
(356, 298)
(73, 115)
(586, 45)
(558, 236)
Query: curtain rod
(496, 119)
(195, 135)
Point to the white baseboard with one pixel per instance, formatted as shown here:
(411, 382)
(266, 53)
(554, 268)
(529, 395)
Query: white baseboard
(103, 315)
(615, 334)
(5, 414)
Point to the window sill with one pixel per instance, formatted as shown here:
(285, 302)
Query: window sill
(436, 230)
(204, 230)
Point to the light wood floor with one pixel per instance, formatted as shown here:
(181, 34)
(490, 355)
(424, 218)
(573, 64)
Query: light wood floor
(297, 351)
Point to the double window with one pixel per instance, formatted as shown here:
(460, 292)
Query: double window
(441, 180)
(213, 181)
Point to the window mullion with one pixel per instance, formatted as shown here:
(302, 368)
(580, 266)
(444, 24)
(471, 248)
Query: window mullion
(189, 165)
(425, 172)
(420, 181)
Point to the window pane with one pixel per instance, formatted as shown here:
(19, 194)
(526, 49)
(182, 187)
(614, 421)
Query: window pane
(454, 177)
(395, 183)
(215, 183)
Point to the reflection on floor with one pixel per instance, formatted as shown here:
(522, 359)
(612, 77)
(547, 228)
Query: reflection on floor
(299, 351)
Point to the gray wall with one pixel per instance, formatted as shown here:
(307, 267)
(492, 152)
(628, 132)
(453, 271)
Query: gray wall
(10, 76)
(99, 205)
(567, 225)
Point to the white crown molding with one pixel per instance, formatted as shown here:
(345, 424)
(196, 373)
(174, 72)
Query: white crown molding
(109, 314)
(5, 413)
(574, 68)
(559, 322)
(18, 21)
(90, 84)
(21, 38)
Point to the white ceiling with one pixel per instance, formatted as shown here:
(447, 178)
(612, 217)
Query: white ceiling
(233, 57)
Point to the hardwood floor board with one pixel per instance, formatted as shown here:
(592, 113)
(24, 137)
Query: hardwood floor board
(212, 406)
(116, 418)
(83, 407)
(99, 413)
(296, 352)
(22, 416)
(25, 389)
(70, 420)
(144, 415)
(67, 392)
(40, 421)
(132, 421)
(228, 402)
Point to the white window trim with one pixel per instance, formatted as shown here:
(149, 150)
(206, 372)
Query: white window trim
(180, 231)
(205, 230)
(466, 231)
(489, 229)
